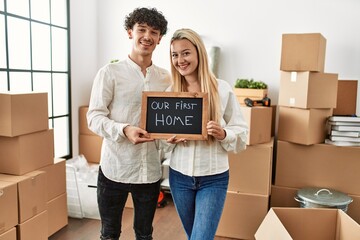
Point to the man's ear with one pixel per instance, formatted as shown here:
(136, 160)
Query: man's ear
(129, 31)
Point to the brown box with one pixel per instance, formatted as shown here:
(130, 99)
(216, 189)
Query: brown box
(346, 97)
(9, 235)
(259, 122)
(251, 169)
(318, 165)
(253, 94)
(90, 147)
(129, 202)
(274, 120)
(306, 223)
(26, 153)
(57, 214)
(303, 52)
(31, 189)
(83, 126)
(354, 208)
(303, 126)
(242, 215)
(308, 89)
(8, 206)
(23, 113)
(284, 197)
(34, 228)
(56, 178)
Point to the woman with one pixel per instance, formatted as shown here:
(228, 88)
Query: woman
(199, 170)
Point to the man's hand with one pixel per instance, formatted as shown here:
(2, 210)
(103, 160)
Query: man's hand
(137, 135)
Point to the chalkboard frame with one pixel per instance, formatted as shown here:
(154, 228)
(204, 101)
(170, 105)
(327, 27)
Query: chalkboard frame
(158, 135)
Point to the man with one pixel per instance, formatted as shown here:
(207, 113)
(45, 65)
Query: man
(129, 158)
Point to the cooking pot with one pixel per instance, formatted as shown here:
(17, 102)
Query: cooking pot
(322, 198)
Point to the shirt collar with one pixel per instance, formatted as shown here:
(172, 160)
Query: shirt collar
(134, 65)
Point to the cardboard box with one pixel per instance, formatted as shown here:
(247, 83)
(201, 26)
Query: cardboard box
(250, 170)
(31, 193)
(57, 214)
(9, 235)
(253, 94)
(8, 206)
(90, 147)
(308, 89)
(346, 97)
(284, 197)
(274, 120)
(34, 228)
(242, 215)
(26, 153)
(306, 223)
(354, 208)
(56, 178)
(303, 52)
(83, 126)
(318, 165)
(259, 122)
(23, 113)
(303, 126)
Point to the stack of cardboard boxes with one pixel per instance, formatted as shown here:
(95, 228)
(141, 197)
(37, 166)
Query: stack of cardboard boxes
(89, 142)
(247, 200)
(32, 183)
(307, 97)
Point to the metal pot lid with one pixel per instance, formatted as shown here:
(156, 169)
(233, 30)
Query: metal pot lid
(324, 196)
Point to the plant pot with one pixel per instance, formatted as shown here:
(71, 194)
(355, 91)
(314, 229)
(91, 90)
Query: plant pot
(322, 198)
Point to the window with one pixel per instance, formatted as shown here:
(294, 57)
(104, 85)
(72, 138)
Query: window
(35, 56)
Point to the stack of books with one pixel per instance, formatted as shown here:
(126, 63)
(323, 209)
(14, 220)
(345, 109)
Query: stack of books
(344, 131)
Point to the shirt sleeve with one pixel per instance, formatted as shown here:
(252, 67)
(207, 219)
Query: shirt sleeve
(97, 115)
(235, 125)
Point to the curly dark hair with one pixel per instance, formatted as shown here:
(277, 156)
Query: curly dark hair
(150, 16)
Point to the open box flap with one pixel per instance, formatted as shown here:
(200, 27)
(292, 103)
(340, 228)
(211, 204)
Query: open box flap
(347, 228)
(272, 228)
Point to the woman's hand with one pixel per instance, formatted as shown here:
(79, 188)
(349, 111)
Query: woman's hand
(175, 140)
(214, 129)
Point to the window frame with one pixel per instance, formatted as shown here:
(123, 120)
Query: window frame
(8, 70)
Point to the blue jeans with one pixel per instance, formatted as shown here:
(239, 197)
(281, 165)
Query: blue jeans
(112, 197)
(199, 202)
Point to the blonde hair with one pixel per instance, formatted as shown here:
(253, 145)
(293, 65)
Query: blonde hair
(207, 79)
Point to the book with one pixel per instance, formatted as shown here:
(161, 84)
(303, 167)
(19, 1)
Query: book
(344, 119)
(344, 123)
(345, 128)
(342, 144)
(344, 139)
(345, 133)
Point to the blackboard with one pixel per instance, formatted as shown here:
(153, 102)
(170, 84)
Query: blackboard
(184, 114)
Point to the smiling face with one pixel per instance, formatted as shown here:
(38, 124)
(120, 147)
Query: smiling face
(145, 39)
(184, 58)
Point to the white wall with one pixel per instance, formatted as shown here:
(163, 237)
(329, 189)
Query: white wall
(84, 52)
(248, 33)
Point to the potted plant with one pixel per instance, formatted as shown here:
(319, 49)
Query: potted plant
(245, 88)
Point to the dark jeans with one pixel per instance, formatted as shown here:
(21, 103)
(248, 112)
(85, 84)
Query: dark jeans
(112, 197)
